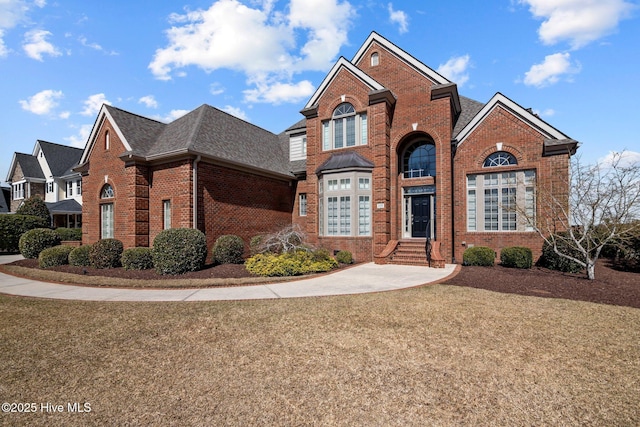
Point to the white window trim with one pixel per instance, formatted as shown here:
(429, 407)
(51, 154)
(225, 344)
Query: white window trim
(166, 214)
(302, 204)
(351, 221)
(18, 190)
(524, 185)
(361, 132)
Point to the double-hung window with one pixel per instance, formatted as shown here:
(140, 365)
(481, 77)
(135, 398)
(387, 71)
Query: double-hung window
(345, 129)
(107, 220)
(18, 191)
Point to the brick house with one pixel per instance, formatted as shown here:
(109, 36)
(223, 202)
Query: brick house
(387, 155)
(47, 173)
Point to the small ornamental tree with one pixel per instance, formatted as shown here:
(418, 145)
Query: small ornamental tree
(602, 207)
(35, 206)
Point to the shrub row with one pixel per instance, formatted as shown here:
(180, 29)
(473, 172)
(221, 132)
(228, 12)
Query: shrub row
(54, 256)
(74, 234)
(13, 226)
(515, 256)
(290, 263)
(34, 241)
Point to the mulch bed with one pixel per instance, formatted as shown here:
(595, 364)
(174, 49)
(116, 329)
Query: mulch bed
(610, 286)
(219, 271)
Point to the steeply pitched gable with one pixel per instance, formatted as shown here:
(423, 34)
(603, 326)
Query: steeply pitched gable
(60, 158)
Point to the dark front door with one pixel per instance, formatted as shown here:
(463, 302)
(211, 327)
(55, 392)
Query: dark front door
(421, 210)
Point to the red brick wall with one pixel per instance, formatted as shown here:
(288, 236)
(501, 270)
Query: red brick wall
(241, 203)
(526, 145)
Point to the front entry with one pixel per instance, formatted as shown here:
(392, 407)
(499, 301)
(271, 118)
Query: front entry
(419, 215)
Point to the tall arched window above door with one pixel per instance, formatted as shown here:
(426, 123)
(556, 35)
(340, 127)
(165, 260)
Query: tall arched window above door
(419, 159)
(107, 221)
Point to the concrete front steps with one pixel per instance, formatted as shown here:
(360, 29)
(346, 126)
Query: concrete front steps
(411, 252)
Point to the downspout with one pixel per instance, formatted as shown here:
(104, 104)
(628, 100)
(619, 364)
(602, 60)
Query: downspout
(194, 192)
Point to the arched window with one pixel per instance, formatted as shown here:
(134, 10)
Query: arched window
(420, 159)
(107, 221)
(345, 129)
(375, 59)
(107, 192)
(500, 158)
(107, 140)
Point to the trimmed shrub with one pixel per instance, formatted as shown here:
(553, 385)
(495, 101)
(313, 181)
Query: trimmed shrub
(71, 234)
(321, 254)
(55, 256)
(516, 257)
(35, 206)
(137, 259)
(228, 249)
(344, 257)
(106, 253)
(479, 255)
(551, 260)
(79, 257)
(288, 264)
(179, 250)
(13, 226)
(35, 241)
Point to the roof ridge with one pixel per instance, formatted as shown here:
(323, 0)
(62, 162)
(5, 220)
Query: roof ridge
(57, 144)
(108, 106)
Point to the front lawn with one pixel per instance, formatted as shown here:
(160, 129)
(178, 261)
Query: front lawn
(435, 355)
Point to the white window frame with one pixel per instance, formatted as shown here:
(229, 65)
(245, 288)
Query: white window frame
(166, 214)
(495, 201)
(107, 221)
(302, 204)
(345, 204)
(18, 190)
(339, 125)
(69, 189)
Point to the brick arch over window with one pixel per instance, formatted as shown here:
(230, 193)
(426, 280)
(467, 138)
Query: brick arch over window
(107, 209)
(508, 149)
(418, 157)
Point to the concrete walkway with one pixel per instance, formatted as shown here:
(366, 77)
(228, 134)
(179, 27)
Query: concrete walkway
(360, 279)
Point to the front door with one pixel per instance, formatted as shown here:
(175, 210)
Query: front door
(421, 215)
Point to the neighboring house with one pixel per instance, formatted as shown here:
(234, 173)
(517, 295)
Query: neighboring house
(388, 154)
(47, 173)
(5, 199)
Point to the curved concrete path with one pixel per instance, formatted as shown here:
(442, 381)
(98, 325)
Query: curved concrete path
(360, 279)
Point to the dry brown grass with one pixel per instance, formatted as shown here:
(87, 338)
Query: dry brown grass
(436, 355)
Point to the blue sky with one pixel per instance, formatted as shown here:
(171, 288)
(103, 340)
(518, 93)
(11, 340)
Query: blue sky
(575, 62)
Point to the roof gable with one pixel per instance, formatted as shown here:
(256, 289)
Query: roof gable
(530, 119)
(59, 158)
(420, 67)
(340, 65)
(28, 165)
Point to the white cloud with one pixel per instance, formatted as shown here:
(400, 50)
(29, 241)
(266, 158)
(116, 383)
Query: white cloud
(171, 116)
(35, 45)
(625, 158)
(12, 12)
(95, 46)
(42, 102)
(4, 51)
(578, 21)
(237, 112)
(456, 69)
(546, 113)
(267, 46)
(277, 93)
(65, 114)
(216, 89)
(551, 70)
(80, 139)
(400, 18)
(93, 104)
(149, 101)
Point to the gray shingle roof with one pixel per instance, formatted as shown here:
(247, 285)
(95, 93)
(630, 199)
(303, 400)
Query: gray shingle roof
(29, 165)
(469, 108)
(61, 158)
(348, 160)
(64, 206)
(206, 131)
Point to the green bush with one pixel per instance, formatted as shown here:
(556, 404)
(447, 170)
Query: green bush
(255, 244)
(553, 261)
(35, 241)
(228, 249)
(13, 226)
(344, 257)
(321, 254)
(137, 259)
(74, 234)
(106, 253)
(288, 264)
(79, 257)
(516, 257)
(179, 250)
(55, 256)
(35, 206)
(479, 255)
